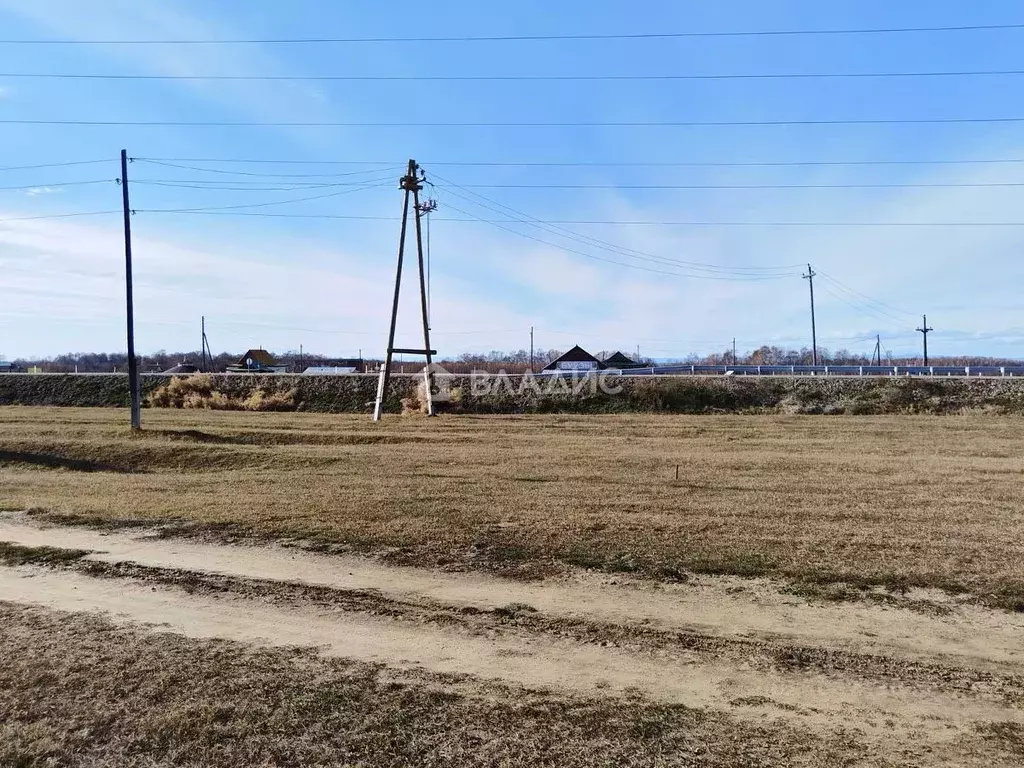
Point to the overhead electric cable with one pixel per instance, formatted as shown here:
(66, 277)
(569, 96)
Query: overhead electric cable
(530, 38)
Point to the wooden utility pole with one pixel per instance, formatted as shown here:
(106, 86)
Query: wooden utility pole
(734, 350)
(133, 363)
(411, 184)
(203, 345)
(531, 349)
(924, 330)
(878, 350)
(809, 277)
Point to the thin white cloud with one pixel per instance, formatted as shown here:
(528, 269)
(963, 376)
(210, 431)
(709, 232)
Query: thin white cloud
(137, 19)
(60, 269)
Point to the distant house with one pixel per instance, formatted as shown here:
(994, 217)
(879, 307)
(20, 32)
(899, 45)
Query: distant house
(6, 367)
(183, 368)
(576, 359)
(336, 366)
(257, 361)
(619, 360)
(329, 370)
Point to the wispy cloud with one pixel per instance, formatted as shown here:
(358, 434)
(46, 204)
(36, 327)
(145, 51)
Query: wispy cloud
(137, 19)
(36, 191)
(68, 270)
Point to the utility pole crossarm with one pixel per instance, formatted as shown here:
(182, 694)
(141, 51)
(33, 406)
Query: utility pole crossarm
(924, 330)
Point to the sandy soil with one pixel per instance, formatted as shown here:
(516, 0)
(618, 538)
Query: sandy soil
(902, 679)
(722, 606)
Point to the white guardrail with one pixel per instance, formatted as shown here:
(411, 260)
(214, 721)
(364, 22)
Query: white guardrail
(938, 371)
(828, 370)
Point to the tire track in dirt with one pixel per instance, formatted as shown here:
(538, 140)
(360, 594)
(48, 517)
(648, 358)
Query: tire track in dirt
(890, 673)
(751, 609)
(525, 621)
(535, 662)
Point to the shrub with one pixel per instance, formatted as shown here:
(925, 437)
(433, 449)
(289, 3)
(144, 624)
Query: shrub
(199, 392)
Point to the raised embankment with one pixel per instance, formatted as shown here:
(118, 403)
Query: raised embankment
(671, 394)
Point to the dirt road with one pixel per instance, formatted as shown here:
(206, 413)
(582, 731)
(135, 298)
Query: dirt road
(921, 680)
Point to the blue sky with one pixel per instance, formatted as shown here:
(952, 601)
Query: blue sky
(325, 283)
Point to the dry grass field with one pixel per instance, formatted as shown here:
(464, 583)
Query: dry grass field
(891, 501)
(305, 589)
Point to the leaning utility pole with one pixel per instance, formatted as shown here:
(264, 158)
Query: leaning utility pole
(411, 184)
(133, 363)
(809, 277)
(203, 345)
(878, 350)
(924, 330)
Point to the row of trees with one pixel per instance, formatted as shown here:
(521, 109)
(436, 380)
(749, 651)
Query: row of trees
(109, 362)
(513, 361)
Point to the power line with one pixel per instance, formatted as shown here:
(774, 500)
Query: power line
(56, 165)
(589, 222)
(515, 124)
(860, 305)
(57, 184)
(531, 38)
(59, 215)
(848, 289)
(863, 308)
(746, 186)
(220, 185)
(178, 165)
(265, 204)
(576, 164)
(517, 78)
(612, 261)
(224, 186)
(525, 218)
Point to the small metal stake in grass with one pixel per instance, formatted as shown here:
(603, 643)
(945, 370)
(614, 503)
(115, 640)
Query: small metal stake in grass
(677, 471)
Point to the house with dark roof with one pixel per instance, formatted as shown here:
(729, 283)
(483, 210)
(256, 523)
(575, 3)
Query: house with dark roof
(618, 360)
(576, 359)
(257, 361)
(182, 369)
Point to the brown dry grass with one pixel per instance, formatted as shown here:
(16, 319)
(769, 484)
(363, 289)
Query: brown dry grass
(898, 501)
(200, 391)
(75, 690)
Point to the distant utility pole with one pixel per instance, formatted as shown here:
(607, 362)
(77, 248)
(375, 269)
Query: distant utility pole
(809, 277)
(133, 363)
(411, 184)
(734, 350)
(203, 345)
(924, 330)
(531, 349)
(878, 351)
